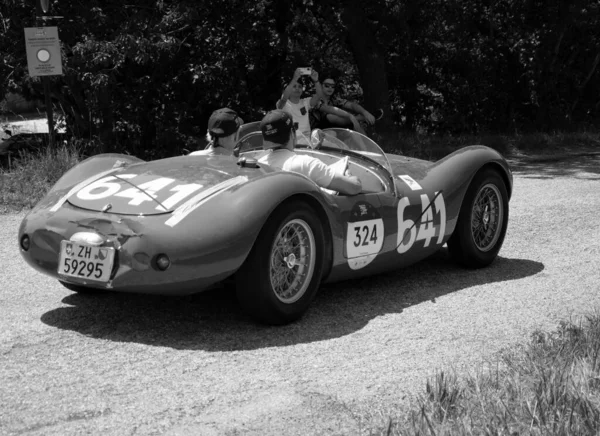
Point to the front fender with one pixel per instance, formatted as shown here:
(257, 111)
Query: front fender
(467, 161)
(453, 175)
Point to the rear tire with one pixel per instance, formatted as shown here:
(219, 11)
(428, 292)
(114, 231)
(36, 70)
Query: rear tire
(282, 273)
(482, 221)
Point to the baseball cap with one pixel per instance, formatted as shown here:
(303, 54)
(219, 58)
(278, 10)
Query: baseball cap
(276, 126)
(224, 122)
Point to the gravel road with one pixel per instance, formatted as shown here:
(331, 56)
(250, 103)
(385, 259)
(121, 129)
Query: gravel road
(138, 365)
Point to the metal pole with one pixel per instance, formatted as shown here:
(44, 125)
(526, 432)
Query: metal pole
(48, 100)
(49, 114)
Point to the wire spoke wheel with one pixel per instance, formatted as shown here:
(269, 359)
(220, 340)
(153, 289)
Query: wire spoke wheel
(482, 221)
(486, 217)
(292, 261)
(279, 279)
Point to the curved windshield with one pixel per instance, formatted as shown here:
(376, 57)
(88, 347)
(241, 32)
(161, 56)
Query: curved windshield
(247, 128)
(346, 139)
(250, 138)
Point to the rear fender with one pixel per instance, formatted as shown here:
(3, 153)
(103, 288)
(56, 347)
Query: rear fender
(243, 211)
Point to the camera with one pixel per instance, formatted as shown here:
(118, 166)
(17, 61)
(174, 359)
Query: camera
(305, 71)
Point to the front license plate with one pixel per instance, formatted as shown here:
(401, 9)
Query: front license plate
(85, 261)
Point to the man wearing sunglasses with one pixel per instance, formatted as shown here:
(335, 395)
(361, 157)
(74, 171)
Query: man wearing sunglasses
(322, 117)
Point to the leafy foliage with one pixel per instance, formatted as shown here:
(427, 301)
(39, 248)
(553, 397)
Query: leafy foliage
(143, 77)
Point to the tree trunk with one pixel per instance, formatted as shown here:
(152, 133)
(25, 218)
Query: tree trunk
(72, 98)
(369, 60)
(107, 121)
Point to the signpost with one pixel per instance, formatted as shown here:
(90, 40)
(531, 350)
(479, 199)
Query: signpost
(43, 51)
(43, 57)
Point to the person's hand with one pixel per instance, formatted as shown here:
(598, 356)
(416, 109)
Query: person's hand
(356, 181)
(355, 123)
(369, 118)
(316, 138)
(296, 76)
(314, 76)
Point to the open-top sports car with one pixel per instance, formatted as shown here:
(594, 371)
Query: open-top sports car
(183, 224)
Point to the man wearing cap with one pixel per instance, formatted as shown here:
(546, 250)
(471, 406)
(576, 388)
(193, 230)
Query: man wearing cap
(279, 136)
(221, 135)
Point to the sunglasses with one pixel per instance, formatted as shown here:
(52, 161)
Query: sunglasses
(329, 85)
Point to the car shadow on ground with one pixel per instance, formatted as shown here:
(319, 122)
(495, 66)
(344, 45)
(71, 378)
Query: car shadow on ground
(213, 321)
(577, 165)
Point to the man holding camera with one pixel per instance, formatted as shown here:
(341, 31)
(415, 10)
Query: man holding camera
(292, 103)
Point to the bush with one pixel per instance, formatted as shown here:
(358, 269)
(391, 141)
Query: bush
(31, 175)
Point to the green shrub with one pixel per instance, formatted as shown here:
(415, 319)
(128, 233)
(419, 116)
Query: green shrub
(31, 175)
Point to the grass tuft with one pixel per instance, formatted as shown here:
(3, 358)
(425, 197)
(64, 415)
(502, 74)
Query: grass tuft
(30, 176)
(549, 387)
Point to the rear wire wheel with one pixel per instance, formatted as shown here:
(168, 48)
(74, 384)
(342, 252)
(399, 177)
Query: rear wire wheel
(283, 271)
(482, 221)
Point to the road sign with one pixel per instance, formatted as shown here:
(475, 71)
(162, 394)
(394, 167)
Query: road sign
(43, 51)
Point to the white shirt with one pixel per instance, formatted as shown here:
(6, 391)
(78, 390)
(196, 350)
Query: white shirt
(295, 110)
(310, 166)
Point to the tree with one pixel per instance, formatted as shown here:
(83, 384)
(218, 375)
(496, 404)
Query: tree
(143, 77)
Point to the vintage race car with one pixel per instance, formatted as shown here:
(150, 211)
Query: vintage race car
(184, 224)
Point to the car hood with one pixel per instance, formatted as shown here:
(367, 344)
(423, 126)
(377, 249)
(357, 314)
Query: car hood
(161, 186)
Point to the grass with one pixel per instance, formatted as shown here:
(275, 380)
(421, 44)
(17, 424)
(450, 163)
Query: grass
(27, 178)
(550, 386)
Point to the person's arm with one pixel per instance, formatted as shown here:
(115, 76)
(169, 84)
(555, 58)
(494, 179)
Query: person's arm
(341, 113)
(347, 185)
(327, 177)
(288, 90)
(318, 95)
(355, 107)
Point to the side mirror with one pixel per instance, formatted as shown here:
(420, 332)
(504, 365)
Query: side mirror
(245, 162)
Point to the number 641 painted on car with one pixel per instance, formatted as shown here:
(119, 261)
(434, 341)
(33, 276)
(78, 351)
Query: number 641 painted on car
(407, 229)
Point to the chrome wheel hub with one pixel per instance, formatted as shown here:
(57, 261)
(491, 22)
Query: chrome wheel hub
(290, 260)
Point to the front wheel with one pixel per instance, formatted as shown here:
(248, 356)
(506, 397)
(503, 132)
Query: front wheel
(482, 221)
(283, 271)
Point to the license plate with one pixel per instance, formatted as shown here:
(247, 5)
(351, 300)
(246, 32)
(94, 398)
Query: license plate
(85, 262)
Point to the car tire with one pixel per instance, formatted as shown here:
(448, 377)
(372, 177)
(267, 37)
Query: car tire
(81, 289)
(272, 285)
(482, 221)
